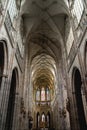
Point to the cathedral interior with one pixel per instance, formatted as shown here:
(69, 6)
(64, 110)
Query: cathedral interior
(43, 64)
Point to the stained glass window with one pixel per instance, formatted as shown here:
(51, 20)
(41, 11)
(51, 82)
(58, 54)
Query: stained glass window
(12, 9)
(48, 119)
(38, 95)
(48, 93)
(78, 9)
(43, 94)
(43, 117)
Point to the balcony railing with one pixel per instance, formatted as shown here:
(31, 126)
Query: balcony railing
(43, 103)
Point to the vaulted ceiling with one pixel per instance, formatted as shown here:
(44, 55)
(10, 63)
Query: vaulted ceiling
(43, 71)
(44, 28)
(43, 16)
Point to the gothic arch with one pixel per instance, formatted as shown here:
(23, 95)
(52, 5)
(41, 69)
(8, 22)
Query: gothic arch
(48, 119)
(38, 119)
(11, 100)
(43, 117)
(17, 77)
(77, 100)
(3, 60)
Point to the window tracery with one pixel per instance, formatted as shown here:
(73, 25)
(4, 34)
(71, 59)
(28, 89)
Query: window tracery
(12, 9)
(43, 95)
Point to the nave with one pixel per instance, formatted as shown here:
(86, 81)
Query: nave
(43, 65)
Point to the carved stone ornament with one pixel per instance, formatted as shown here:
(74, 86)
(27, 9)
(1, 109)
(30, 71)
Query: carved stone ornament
(23, 111)
(68, 104)
(64, 112)
(18, 4)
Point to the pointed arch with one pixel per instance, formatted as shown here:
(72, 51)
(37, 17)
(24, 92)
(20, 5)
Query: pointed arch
(11, 100)
(48, 119)
(38, 119)
(78, 107)
(3, 60)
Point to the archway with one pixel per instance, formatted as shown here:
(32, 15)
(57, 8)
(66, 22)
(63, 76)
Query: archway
(43, 117)
(42, 120)
(11, 101)
(79, 102)
(48, 119)
(1, 61)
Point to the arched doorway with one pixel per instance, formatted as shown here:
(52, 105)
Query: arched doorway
(1, 61)
(11, 101)
(79, 103)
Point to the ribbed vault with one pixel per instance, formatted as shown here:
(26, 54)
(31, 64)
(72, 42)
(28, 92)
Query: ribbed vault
(48, 17)
(44, 32)
(45, 54)
(43, 71)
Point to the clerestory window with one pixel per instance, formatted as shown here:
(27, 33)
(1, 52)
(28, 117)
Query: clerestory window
(12, 9)
(43, 94)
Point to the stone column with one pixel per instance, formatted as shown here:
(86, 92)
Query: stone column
(5, 92)
(16, 112)
(4, 102)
